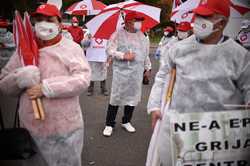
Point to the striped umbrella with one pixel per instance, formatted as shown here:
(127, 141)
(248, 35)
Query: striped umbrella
(86, 7)
(112, 18)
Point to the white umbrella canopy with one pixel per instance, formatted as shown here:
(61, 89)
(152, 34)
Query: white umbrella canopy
(183, 12)
(86, 7)
(112, 17)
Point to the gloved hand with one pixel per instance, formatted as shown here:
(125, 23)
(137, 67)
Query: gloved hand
(27, 76)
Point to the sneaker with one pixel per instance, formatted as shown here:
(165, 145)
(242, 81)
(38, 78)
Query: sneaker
(105, 92)
(128, 127)
(90, 93)
(107, 131)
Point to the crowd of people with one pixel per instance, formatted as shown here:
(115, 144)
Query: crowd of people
(211, 70)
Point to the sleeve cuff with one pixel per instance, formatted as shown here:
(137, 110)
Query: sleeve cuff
(47, 92)
(153, 109)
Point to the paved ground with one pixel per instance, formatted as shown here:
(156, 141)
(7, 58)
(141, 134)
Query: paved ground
(122, 149)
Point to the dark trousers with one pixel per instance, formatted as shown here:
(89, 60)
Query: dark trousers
(112, 112)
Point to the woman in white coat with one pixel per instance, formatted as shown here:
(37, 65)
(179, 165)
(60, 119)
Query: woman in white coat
(61, 76)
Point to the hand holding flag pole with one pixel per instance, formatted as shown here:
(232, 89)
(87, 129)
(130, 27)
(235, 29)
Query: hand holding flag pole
(28, 52)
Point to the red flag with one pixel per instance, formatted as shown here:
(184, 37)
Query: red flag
(22, 40)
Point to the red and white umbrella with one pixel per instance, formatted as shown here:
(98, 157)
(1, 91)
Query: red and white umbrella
(240, 7)
(183, 12)
(112, 17)
(86, 7)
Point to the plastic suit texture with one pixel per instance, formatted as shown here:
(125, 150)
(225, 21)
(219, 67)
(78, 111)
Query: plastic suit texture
(128, 75)
(7, 47)
(64, 75)
(164, 46)
(208, 77)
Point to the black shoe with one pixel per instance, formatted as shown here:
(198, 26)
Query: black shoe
(103, 88)
(91, 89)
(105, 92)
(90, 93)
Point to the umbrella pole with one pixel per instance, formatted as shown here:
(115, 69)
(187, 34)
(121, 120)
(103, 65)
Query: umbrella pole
(40, 108)
(35, 109)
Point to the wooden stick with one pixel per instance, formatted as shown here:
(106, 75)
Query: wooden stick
(35, 109)
(40, 108)
(171, 85)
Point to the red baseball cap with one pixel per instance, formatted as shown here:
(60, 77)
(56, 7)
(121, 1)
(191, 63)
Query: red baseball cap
(184, 26)
(210, 7)
(3, 23)
(47, 10)
(133, 15)
(168, 29)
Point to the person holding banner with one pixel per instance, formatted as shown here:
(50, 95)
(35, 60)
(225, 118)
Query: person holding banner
(97, 58)
(212, 71)
(63, 73)
(129, 49)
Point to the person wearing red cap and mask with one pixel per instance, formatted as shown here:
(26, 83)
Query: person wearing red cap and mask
(7, 46)
(168, 35)
(76, 31)
(184, 30)
(212, 71)
(129, 49)
(63, 73)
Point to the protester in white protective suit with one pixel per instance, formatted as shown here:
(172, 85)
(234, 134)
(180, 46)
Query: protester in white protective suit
(212, 71)
(129, 49)
(7, 46)
(184, 30)
(244, 34)
(63, 73)
(168, 35)
(97, 58)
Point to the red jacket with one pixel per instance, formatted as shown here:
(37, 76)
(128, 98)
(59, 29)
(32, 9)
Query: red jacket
(77, 33)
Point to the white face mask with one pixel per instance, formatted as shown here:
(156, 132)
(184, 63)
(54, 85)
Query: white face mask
(166, 33)
(137, 26)
(46, 30)
(182, 35)
(203, 28)
(75, 24)
(3, 30)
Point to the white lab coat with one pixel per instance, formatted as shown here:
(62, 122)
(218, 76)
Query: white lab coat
(127, 76)
(64, 74)
(208, 77)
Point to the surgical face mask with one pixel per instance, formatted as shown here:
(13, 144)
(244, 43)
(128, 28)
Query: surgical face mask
(137, 26)
(46, 30)
(3, 30)
(203, 28)
(75, 24)
(166, 33)
(182, 35)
